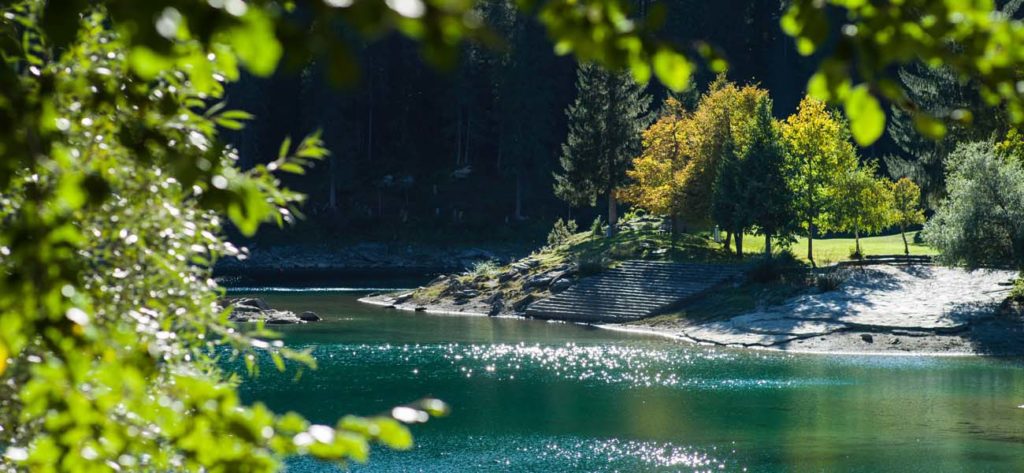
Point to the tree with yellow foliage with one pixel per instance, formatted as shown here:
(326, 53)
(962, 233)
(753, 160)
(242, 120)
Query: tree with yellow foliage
(657, 174)
(724, 108)
(906, 203)
(819, 154)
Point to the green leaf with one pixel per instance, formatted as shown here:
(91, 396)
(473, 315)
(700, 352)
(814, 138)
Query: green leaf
(672, 69)
(394, 434)
(292, 168)
(929, 126)
(867, 120)
(285, 146)
(146, 63)
(256, 43)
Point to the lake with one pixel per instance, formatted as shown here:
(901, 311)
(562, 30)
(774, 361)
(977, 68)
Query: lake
(536, 396)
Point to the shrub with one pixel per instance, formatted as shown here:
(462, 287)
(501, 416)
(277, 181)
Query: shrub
(596, 229)
(784, 265)
(830, 279)
(1017, 293)
(487, 269)
(590, 265)
(561, 232)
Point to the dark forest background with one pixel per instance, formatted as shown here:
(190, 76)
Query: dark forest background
(467, 155)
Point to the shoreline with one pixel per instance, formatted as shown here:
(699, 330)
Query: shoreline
(887, 311)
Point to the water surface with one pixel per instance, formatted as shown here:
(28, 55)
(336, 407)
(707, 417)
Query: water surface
(537, 396)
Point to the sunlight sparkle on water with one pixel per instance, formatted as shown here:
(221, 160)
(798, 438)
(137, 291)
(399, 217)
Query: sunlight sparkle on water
(625, 365)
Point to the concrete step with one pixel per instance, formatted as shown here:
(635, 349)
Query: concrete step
(634, 290)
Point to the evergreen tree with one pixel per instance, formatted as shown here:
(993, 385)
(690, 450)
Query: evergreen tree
(605, 124)
(525, 107)
(941, 93)
(728, 201)
(769, 201)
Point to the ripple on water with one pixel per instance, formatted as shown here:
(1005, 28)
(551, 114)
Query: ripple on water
(628, 366)
(543, 453)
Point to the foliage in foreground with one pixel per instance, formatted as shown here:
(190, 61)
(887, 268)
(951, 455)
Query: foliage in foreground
(112, 189)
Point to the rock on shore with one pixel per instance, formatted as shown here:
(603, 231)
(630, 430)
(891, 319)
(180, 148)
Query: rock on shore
(255, 309)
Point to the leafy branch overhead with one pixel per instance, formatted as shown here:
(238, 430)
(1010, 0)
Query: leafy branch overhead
(972, 38)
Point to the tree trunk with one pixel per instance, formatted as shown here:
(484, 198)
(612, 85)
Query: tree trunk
(856, 239)
(739, 244)
(613, 216)
(369, 115)
(810, 244)
(333, 194)
(519, 197)
(906, 247)
(458, 138)
(728, 241)
(465, 147)
(674, 222)
(767, 245)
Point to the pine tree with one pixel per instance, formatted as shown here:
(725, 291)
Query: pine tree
(525, 105)
(605, 125)
(941, 93)
(728, 200)
(769, 201)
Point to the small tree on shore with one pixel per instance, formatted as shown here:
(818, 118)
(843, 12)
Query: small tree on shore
(819, 152)
(906, 206)
(861, 204)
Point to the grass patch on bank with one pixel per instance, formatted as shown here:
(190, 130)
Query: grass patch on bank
(839, 249)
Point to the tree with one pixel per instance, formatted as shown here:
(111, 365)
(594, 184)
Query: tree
(605, 123)
(860, 204)
(729, 194)
(819, 152)
(906, 205)
(656, 176)
(981, 222)
(769, 200)
(722, 114)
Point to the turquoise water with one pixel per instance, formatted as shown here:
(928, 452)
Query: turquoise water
(536, 396)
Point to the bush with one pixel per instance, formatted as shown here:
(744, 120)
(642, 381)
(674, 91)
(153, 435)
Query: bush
(561, 232)
(1017, 293)
(596, 229)
(784, 265)
(590, 265)
(487, 269)
(830, 279)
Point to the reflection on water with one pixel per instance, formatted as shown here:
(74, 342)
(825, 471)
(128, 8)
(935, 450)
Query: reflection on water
(536, 396)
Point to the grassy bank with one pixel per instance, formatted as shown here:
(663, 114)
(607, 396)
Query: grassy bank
(830, 250)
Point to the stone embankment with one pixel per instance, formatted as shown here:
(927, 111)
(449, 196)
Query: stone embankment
(633, 290)
(362, 258)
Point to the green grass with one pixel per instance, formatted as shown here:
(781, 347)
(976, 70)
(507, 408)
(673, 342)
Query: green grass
(839, 249)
